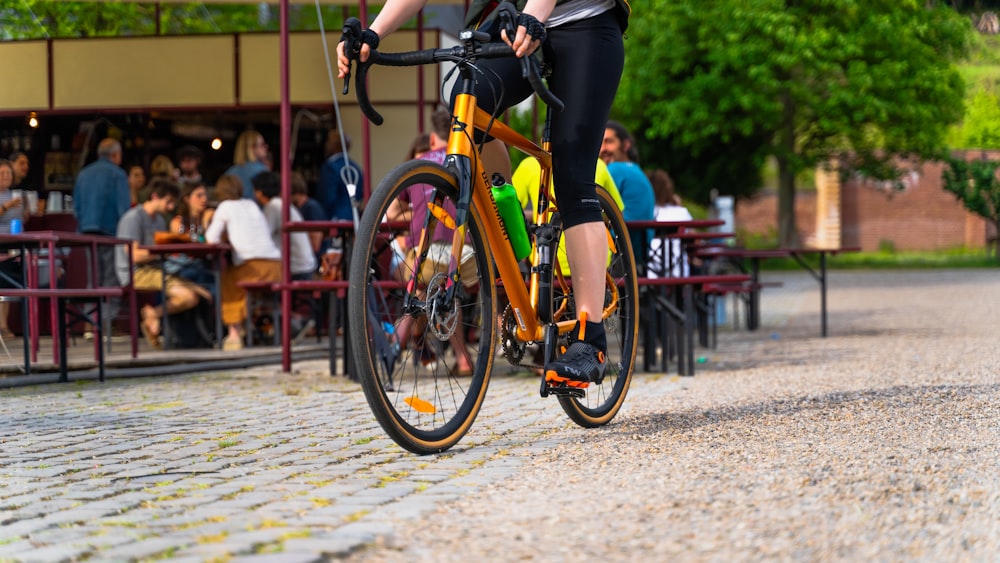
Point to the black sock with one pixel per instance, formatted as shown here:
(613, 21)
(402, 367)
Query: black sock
(594, 335)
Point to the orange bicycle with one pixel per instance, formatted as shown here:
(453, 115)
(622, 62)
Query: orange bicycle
(426, 349)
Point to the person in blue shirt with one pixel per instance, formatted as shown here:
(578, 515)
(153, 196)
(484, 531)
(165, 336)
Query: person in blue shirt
(100, 194)
(619, 152)
(248, 160)
(100, 197)
(310, 209)
(332, 191)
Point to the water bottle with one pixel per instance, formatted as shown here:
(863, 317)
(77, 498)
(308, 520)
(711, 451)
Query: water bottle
(505, 197)
(16, 227)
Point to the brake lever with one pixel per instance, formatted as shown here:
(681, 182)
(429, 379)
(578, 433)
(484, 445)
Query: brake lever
(508, 18)
(351, 38)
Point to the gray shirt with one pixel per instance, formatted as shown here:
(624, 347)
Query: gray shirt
(139, 226)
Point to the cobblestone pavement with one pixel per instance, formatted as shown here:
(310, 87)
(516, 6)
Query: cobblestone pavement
(878, 443)
(226, 465)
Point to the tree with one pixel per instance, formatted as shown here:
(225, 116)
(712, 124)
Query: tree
(36, 19)
(861, 81)
(981, 127)
(976, 185)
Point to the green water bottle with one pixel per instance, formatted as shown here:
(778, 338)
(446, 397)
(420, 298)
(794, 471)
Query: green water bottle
(505, 197)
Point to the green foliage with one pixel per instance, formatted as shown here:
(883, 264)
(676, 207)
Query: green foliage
(803, 81)
(892, 260)
(36, 19)
(981, 128)
(981, 125)
(975, 184)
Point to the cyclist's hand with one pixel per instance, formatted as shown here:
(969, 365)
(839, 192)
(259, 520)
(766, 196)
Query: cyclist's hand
(369, 41)
(343, 63)
(523, 44)
(530, 34)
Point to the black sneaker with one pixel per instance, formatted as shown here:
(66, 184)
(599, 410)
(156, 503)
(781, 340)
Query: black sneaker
(583, 362)
(580, 365)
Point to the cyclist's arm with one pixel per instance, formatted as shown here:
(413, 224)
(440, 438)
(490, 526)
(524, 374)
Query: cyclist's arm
(397, 12)
(394, 14)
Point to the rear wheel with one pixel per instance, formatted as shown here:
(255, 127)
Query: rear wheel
(423, 360)
(602, 401)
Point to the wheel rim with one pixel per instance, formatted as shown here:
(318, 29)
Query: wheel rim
(412, 379)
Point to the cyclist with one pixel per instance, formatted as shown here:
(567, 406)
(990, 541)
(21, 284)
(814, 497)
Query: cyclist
(581, 42)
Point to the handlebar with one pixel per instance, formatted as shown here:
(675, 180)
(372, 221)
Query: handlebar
(475, 45)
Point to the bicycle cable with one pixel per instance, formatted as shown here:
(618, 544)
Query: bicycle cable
(348, 174)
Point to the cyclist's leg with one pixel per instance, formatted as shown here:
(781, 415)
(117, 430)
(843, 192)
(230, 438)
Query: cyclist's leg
(496, 159)
(498, 88)
(587, 58)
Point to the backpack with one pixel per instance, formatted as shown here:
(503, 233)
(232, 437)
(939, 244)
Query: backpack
(190, 329)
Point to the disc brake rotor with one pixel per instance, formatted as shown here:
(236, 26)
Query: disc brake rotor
(442, 317)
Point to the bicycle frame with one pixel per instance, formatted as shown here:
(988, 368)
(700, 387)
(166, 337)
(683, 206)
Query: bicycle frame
(474, 187)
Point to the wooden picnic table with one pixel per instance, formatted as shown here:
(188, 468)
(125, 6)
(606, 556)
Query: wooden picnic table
(30, 245)
(797, 254)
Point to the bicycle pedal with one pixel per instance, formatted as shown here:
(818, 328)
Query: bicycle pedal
(565, 391)
(564, 387)
(558, 381)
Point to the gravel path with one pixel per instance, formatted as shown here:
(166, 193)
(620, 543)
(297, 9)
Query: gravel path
(877, 443)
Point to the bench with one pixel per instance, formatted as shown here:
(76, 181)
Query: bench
(337, 290)
(64, 297)
(275, 289)
(687, 314)
(744, 290)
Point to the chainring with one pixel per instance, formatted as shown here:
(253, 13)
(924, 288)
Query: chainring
(512, 348)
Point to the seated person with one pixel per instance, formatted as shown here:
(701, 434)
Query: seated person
(241, 223)
(303, 262)
(412, 207)
(193, 212)
(138, 224)
(526, 179)
(668, 208)
(267, 191)
(10, 269)
(309, 208)
(193, 217)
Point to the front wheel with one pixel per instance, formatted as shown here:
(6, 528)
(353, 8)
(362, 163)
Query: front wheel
(424, 353)
(601, 402)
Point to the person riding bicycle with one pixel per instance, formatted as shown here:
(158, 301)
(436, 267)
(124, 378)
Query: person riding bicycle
(581, 42)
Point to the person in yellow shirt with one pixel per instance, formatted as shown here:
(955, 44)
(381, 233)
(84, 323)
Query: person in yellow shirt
(525, 181)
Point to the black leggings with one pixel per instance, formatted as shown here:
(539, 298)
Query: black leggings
(586, 58)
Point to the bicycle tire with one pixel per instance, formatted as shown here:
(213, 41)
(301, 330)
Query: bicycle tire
(602, 401)
(423, 408)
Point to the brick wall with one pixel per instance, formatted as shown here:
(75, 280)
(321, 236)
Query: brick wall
(922, 216)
